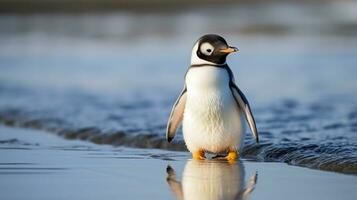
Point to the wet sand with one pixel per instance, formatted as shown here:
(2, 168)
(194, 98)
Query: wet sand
(38, 165)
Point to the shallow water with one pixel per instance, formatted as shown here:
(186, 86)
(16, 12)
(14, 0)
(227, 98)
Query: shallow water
(112, 78)
(44, 166)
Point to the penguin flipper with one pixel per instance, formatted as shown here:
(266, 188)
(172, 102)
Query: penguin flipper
(176, 115)
(176, 186)
(250, 186)
(244, 105)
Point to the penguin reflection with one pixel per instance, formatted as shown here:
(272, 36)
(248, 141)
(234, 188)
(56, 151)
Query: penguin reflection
(203, 179)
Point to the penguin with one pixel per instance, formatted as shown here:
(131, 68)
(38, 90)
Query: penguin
(210, 106)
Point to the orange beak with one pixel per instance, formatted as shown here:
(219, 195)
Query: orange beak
(229, 50)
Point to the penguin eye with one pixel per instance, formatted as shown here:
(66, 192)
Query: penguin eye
(206, 48)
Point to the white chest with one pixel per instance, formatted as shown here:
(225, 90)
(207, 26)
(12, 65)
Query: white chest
(203, 79)
(209, 99)
(211, 118)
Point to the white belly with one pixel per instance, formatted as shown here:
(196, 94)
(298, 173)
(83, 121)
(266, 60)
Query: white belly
(212, 120)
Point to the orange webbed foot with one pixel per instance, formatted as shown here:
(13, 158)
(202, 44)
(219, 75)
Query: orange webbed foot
(198, 155)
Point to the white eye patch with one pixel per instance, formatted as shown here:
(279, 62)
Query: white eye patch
(206, 48)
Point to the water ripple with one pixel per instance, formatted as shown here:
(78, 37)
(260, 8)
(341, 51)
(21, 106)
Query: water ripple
(318, 135)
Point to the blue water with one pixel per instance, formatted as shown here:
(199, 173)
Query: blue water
(112, 78)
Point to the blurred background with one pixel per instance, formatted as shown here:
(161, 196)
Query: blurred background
(288, 48)
(84, 68)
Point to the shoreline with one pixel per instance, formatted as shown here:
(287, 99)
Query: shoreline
(251, 150)
(48, 167)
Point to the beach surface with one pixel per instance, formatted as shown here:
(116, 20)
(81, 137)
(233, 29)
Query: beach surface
(38, 165)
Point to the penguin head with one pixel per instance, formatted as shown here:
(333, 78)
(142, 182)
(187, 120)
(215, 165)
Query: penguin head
(211, 49)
